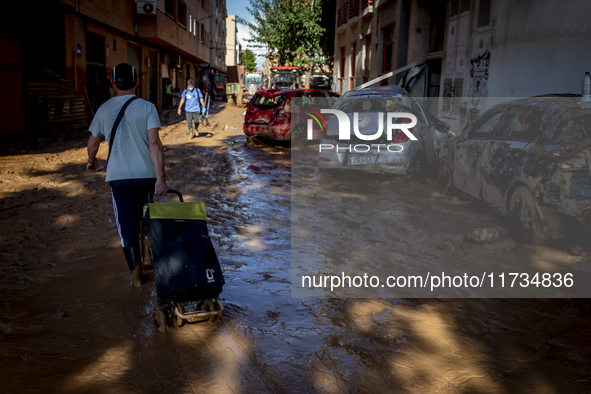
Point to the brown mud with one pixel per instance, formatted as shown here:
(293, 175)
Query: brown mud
(71, 322)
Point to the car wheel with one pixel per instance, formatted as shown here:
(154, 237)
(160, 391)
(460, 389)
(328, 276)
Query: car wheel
(444, 175)
(298, 137)
(523, 209)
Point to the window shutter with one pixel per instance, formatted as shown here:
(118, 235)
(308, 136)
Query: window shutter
(484, 12)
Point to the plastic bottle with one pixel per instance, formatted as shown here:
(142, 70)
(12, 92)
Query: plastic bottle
(586, 91)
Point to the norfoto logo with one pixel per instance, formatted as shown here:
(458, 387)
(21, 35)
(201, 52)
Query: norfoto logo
(345, 124)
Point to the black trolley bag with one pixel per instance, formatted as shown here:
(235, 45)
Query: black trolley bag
(186, 266)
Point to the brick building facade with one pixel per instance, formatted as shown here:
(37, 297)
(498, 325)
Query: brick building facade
(55, 69)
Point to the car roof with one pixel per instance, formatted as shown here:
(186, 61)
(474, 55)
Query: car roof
(390, 90)
(553, 102)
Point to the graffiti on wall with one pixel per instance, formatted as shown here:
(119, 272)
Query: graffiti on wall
(479, 70)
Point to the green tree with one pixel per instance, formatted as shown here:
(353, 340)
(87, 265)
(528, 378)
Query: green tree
(290, 28)
(248, 61)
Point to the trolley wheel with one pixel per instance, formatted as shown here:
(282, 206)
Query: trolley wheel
(160, 320)
(175, 321)
(209, 306)
(147, 260)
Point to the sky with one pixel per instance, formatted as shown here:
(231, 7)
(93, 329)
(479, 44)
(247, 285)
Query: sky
(238, 7)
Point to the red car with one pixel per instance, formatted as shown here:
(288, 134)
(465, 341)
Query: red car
(269, 114)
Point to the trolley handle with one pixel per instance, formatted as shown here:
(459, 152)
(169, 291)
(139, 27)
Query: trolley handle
(151, 195)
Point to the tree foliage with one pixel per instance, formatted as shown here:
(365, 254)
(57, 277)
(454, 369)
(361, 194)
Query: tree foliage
(290, 28)
(248, 61)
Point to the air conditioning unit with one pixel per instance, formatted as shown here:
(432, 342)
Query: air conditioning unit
(146, 7)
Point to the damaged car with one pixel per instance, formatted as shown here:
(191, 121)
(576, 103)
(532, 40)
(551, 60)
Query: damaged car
(529, 159)
(270, 114)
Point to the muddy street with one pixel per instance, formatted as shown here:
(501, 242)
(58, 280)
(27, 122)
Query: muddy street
(71, 322)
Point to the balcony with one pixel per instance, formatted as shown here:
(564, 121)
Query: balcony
(353, 13)
(172, 35)
(366, 8)
(342, 16)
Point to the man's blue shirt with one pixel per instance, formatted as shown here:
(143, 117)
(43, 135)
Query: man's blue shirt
(192, 97)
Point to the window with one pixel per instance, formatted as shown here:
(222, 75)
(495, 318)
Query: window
(353, 57)
(388, 34)
(190, 23)
(169, 8)
(367, 54)
(202, 33)
(484, 13)
(194, 27)
(182, 14)
(521, 123)
(458, 6)
(203, 4)
(484, 126)
(342, 62)
(313, 100)
(114, 45)
(262, 102)
(464, 6)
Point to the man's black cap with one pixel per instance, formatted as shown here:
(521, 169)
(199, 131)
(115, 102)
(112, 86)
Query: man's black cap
(125, 76)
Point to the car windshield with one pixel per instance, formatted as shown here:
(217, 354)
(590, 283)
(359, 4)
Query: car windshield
(284, 80)
(262, 102)
(253, 79)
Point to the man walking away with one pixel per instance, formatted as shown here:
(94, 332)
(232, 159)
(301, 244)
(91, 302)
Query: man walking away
(194, 99)
(136, 159)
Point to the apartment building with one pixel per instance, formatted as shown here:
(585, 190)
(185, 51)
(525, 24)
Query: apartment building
(375, 37)
(232, 53)
(217, 40)
(56, 66)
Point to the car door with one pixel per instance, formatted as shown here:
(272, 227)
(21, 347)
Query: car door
(507, 151)
(468, 152)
